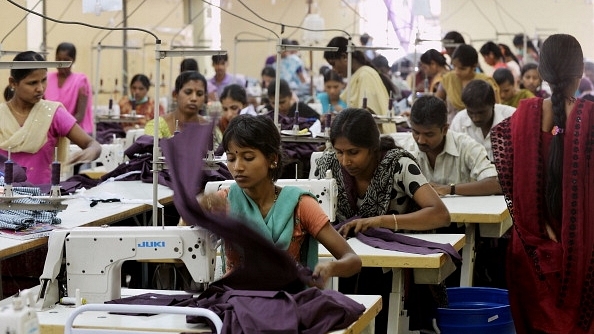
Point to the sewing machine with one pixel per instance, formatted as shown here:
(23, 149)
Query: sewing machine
(93, 258)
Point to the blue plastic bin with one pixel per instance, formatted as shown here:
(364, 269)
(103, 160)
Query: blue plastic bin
(476, 310)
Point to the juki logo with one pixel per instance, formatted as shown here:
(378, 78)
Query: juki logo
(151, 244)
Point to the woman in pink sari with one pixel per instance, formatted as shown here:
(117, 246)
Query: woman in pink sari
(542, 153)
(73, 90)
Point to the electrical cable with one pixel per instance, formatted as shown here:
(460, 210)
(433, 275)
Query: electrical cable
(19, 23)
(82, 23)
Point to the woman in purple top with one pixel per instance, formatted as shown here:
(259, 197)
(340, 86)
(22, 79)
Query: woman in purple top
(32, 127)
(72, 89)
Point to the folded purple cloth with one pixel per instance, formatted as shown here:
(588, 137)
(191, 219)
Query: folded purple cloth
(386, 239)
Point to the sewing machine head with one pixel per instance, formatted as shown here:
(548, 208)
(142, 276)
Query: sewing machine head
(93, 257)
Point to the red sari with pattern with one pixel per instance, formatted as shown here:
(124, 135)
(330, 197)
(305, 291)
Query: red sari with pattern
(551, 284)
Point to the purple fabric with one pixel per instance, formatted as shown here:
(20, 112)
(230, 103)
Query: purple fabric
(265, 267)
(309, 311)
(151, 299)
(386, 239)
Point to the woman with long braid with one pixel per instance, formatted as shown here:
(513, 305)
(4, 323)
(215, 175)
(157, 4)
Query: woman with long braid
(542, 154)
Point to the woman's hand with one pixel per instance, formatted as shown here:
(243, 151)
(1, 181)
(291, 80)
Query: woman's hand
(321, 274)
(213, 202)
(550, 232)
(86, 155)
(359, 225)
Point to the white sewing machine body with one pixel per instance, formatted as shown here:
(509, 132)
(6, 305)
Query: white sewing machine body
(325, 190)
(94, 256)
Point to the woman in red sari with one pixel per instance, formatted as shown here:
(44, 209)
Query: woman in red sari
(542, 154)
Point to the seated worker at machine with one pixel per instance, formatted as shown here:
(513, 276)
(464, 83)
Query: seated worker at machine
(290, 217)
(381, 185)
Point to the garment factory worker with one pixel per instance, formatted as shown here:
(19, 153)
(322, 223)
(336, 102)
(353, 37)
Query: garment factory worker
(288, 216)
(542, 154)
(234, 102)
(330, 97)
(481, 113)
(453, 162)
(139, 101)
(32, 127)
(367, 87)
(190, 93)
(383, 185)
(464, 63)
(72, 89)
(509, 93)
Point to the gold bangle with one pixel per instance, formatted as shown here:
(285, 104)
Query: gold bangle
(395, 223)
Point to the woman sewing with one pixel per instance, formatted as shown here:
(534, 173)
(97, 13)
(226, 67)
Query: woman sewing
(32, 127)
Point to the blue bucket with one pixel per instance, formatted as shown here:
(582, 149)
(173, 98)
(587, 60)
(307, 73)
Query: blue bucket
(476, 310)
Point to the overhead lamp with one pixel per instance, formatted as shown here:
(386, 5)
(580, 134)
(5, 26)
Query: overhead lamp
(34, 64)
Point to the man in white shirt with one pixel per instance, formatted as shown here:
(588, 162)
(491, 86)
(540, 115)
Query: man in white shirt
(481, 113)
(453, 162)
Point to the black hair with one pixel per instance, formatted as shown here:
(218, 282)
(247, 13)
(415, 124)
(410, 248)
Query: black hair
(357, 56)
(143, 79)
(478, 93)
(268, 71)
(519, 41)
(8, 93)
(380, 62)
(188, 64)
(433, 55)
(528, 67)
(466, 55)
(359, 128)
(503, 75)
(19, 74)
(561, 63)
(331, 75)
(491, 47)
(258, 132)
(187, 76)
(284, 89)
(429, 110)
(219, 58)
(454, 37)
(588, 65)
(69, 48)
(507, 52)
(235, 92)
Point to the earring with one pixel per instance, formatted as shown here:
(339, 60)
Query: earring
(273, 165)
(12, 89)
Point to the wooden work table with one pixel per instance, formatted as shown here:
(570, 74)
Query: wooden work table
(428, 269)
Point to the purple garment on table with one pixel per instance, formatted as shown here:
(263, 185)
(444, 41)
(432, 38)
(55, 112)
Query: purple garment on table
(151, 299)
(309, 311)
(386, 239)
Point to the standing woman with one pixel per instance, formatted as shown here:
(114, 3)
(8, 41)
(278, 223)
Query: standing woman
(542, 154)
(139, 101)
(464, 62)
(366, 84)
(32, 127)
(383, 185)
(191, 97)
(72, 89)
(434, 65)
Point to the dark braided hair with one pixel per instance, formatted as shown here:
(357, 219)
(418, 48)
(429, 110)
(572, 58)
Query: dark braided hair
(561, 63)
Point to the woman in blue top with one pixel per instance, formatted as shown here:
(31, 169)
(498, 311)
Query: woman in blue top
(330, 97)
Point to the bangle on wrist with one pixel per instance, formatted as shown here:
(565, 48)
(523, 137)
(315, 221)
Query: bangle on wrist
(452, 189)
(395, 223)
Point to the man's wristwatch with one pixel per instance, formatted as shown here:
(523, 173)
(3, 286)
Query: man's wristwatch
(452, 189)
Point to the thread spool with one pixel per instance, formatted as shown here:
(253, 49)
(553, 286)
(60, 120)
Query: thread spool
(8, 169)
(55, 170)
(8, 172)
